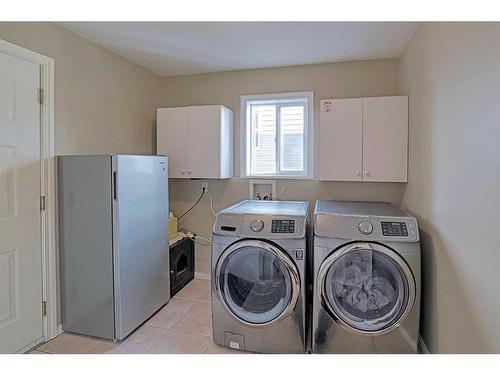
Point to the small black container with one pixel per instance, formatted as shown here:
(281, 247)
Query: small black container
(181, 264)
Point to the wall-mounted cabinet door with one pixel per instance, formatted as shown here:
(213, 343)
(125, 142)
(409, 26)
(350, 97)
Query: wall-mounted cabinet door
(198, 141)
(385, 139)
(340, 140)
(204, 141)
(172, 139)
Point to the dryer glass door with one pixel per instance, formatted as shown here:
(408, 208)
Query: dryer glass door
(257, 282)
(367, 287)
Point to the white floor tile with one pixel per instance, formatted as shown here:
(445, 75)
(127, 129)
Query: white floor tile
(175, 342)
(197, 320)
(68, 343)
(170, 314)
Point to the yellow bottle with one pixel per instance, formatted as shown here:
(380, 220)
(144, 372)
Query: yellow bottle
(172, 226)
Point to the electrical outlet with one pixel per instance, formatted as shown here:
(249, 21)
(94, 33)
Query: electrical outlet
(204, 185)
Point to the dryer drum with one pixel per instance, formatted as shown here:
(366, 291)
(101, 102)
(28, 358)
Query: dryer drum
(367, 289)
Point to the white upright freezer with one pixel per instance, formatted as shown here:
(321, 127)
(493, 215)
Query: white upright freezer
(113, 242)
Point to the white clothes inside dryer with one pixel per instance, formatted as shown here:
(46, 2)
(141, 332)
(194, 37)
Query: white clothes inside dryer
(362, 285)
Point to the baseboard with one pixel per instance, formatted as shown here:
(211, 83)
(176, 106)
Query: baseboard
(202, 275)
(422, 348)
(31, 346)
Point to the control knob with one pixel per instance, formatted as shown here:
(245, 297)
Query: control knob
(257, 225)
(365, 227)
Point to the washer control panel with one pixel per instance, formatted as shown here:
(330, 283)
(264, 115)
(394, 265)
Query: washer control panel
(263, 226)
(394, 229)
(283, 226)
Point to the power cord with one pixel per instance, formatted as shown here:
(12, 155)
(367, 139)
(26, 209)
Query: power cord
(194, 237)
(195, 203)
(211, 203)
(281, 192)
(203, 191)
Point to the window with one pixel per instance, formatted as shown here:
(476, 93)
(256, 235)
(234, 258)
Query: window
(277, 135)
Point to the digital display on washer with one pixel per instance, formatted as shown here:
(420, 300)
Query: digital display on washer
(394, 228)
(283, 226)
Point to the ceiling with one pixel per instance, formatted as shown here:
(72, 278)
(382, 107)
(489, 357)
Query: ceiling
(181, 48)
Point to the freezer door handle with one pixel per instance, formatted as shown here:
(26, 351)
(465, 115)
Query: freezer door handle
(114, 185)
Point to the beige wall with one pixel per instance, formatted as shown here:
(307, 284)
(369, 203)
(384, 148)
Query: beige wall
(452, 74)
(103, 103)
(342, 80)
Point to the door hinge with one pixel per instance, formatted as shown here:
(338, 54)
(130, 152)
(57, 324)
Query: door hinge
(41, 96)
(42, 203)
(44, 308)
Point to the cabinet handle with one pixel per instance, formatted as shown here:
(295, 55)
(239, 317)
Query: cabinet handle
(183, 171)
(189, 171)
(367, 173)
(358, 173)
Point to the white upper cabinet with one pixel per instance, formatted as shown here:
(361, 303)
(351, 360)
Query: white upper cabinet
(197, 140)
(340, 134)
(172, 139)
(364, 139)
(385, 139)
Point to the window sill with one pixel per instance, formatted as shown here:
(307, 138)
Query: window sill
(277, 177)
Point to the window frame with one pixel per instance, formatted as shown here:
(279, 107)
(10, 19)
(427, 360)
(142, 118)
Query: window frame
(246, 133)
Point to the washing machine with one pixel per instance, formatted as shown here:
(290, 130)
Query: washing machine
(258, 276)
(366, 279)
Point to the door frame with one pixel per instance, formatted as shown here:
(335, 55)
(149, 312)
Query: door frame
(47, 184)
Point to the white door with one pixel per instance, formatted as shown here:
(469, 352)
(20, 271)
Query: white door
(172, 140)
(341, 122)
(204, 141)
(20, 242)
(385, 138)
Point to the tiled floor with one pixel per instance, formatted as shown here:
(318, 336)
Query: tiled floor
(184, 325)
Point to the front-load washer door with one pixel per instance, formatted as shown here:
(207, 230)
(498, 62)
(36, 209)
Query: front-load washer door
(257, 282)
(366, 287)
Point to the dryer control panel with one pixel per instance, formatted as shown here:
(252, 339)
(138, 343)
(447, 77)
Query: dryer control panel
(394, 229)
(367, 228)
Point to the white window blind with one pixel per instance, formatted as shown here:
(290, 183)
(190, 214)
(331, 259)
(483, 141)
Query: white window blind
(277, 136)
(292, 138)
(263, 143)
